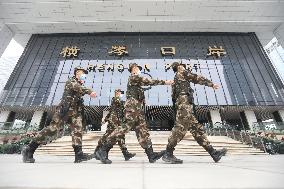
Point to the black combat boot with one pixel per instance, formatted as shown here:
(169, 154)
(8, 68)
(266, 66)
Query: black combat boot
(170, 158)
(153, 156)
(79, 155)
(217, 154)
(127, 155)
(102, 153)
(94, 155)
(28, 152)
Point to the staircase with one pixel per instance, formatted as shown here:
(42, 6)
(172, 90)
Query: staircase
(188, 146)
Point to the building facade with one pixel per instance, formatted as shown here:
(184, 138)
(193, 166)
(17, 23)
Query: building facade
(250, 90)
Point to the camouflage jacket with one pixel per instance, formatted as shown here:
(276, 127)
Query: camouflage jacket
(182, 86)
(73, 92)
(116, 111)
(134, 86)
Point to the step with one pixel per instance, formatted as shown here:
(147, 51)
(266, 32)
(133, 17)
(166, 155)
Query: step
(188, 146)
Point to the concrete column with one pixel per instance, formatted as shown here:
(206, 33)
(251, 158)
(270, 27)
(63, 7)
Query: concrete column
(6, 36)
(36, 119)
(250, 118)
(279, 34)
(104, 126)
(215, 116)
(4, 117)
(281, 114)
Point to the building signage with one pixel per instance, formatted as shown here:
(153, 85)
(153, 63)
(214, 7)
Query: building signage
(70, 51)
(215, 51)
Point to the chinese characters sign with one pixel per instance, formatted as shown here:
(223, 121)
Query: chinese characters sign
(118, 50)
(121, 50)
(217, 52)
(70, 51)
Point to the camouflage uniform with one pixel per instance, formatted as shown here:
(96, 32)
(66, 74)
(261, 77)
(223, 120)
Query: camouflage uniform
(134, 111)
(134, 119)
(115, 117)
(183, 102)
(69, 111)
(182, 95)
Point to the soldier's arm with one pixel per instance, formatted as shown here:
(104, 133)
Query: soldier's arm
(80, 88)
(198, 79)
(146, 81)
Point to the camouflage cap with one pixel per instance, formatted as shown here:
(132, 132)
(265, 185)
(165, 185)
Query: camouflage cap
(119, 90)
(132, 65)
(80, 68)
(175, 65)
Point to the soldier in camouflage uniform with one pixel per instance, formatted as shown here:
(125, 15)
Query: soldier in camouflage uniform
(115, 117)
(134, 116)
(68, 111)
(182, 95)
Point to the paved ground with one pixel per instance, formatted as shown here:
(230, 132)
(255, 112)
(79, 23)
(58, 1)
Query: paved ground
(262, 171)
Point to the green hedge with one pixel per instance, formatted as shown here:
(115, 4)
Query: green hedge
(14, 148)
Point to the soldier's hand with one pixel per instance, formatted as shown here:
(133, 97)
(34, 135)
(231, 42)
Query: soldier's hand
(169, 82)
(93, 95)
(215, 86)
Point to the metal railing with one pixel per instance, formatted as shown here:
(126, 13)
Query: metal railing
(12, 128)
(272, 126)
(247, 137)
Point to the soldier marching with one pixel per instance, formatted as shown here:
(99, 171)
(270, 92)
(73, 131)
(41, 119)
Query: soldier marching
(124, 117)
(115, 118)
(69, 111)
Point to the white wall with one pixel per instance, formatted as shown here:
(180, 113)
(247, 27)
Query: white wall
(6, 36)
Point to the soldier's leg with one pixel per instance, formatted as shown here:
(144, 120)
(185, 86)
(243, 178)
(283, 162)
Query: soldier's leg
(110, 129)
(123, 148)
(129, 123)
(178, 132)
(142, 131)
(76, 133)
(132, 112)
(41, 138)
(102, 140)
(121, 142)
(50, 130)
(198, 132)
(107, 145)
(112, 139)
(143, 136)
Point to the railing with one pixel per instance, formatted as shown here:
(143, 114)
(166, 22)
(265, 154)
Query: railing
(16, 128)
(244, 136)
(276, 127)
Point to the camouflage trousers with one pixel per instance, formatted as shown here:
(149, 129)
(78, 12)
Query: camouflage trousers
(73, 118)
(185, 120)
(134, 119)
(110, 128)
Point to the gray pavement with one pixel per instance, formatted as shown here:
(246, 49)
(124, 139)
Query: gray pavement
(242, 171)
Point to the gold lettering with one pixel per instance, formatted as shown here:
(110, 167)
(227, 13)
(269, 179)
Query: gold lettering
(216, 51)
(118, 50)
(168, 51)
(70, 51)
